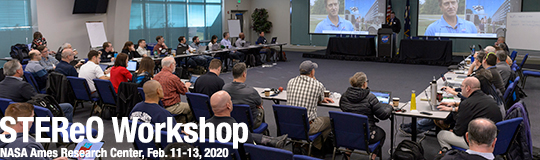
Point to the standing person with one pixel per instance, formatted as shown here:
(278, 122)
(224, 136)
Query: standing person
(394, 23)
(119, 73)
(306, 91)
(333, 22)
(173, 87)
(450, 22)
(39, 40)
(47, 60)
(142, 48)
(160, 47)
(145, 71)
(91, 70)
(358, 99)
(210, 82)
(129, 49)
(107, 53)
(16, 111)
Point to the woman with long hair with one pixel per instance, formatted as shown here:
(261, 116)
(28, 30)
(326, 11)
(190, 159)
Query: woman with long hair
(145, 71)
(129, 49)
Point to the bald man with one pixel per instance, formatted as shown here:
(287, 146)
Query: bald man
(222, 106)
(477, 105)
(39, 72)
(481, 135)
(150, 111)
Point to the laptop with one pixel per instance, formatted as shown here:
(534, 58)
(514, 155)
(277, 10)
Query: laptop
(383, 96)
(274, 40)
(89, 147)
(103, 66)
(193, 79)
(132, 66)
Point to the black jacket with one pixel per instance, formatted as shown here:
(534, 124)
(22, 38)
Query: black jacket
(460, 155)
(497, 79)
(128, 97)
(477, 105)
(361, 101)
(131, 54)
(58, 86)
(16, 90)
(396, 26)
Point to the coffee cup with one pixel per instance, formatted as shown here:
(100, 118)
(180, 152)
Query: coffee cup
(267, 92)
(395, 101)
(326, 94)
(468, 61)
(440, 95)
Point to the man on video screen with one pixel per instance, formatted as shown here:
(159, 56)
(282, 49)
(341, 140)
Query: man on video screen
(333, 22)
(450, 22)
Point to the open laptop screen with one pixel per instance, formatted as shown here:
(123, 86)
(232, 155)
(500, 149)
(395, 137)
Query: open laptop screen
(382, 96)
(132, 66)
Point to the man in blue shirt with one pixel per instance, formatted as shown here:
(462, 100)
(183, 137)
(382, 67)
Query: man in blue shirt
(47, 60)
(235, 55)
(38, 72)
(64, 67)
(450, 22)
(333, 22)
(150, 111)
(265, 50)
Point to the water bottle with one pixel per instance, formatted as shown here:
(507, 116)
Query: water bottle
(433, 99)
(413, 101)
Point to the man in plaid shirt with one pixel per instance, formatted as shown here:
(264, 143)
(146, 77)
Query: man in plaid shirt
(306, 91)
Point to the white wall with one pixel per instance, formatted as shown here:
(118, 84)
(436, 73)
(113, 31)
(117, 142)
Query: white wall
(58, 25)
(279, 15)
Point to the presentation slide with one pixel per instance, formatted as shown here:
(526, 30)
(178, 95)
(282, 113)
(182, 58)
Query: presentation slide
(464, 18)
(361, 17)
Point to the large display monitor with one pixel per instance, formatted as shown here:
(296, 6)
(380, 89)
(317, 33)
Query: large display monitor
(361, 17)
(464, 18)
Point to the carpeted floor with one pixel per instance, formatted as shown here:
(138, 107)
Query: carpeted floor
(334, 74)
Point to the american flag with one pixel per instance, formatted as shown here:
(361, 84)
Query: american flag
(388, 11)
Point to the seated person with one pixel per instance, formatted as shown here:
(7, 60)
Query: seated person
(39, 72)
(477, 105)
(481, 136)
(141, 48)
(358, 99)
(160, 47)
(107, 53)
(91, 70)
(173, 87)
(17, 110)
(145, 71)
(213, 45)
(477, 64)
(48, 61)
(489, 63)
(119, 73)
(240, 42)
(269, 52)
(236, 56)
(129, 49)
(210, 82)
(182, 46)
(64, 67)
(149, 111)
(200, 60)
(243, 94)
(504, 69)
(222, 106)
(14, 88)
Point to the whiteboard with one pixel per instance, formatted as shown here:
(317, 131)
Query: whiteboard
(522, 30)
(234, 27)
(96, 33)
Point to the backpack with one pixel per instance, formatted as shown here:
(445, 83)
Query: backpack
(408, 150)
(47, 101)
(282, 56)
(251, 60)
(19, 52)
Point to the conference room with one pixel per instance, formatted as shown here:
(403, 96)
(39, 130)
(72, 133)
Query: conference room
(283, 79)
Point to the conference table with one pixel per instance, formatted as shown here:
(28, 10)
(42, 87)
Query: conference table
(453, 78)
(426, 51)
(277, 98)
(351, 46)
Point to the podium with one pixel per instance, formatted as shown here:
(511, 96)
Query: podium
(386, 43)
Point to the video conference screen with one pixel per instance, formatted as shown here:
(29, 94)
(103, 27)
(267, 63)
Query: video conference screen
(464, 18)
(361, 17)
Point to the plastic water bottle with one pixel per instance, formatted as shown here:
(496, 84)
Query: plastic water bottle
(413, 101)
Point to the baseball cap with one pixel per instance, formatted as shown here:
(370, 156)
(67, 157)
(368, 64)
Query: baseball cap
(307, 66)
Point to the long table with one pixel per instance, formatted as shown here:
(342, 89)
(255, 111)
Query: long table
(351, 46)
(283, 97)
